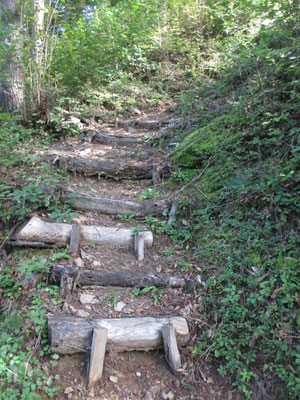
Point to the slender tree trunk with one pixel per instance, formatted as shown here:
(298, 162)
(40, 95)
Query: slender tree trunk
(38, 44)
(12, 98)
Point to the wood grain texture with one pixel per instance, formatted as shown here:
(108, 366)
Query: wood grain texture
(114, 207)
(51, 232)
(70, 335)
(97, 355)
(170, 345)
(121, 279)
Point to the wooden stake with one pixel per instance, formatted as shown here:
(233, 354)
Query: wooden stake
(97, 355)
(170, 346)
(172, 213)
(138, 246)
(75, 238)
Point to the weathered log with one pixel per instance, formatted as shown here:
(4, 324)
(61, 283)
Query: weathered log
(28, 243)
(106, 169)
(70, 335)
(112, 206)
(116, 140)
(120, 279)
(143, 124)
(38, 229)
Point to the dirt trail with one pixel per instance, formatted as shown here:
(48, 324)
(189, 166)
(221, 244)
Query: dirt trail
(129, 375)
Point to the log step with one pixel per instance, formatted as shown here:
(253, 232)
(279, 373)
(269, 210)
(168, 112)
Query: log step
(39, 230)
(114, 207)
(121, 279)
(99, 137)
(70, 335)
(141, 123)
(106, 169)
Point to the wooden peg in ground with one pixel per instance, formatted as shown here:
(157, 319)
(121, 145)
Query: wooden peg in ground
(97, 354)
(170, 346)
(75, 237)
(139, 245)
(172, 213)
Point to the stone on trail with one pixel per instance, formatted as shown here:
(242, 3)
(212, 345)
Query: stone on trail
(120, 306)
(87, 299)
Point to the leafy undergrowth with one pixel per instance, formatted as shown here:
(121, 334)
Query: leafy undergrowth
(243, 209)
(24, 189)
(24, 349)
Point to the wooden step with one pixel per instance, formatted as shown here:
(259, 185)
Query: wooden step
(140, 280)
(99, 137)
(41, 230)
(107, 169)
(114, 207)
(70, 335)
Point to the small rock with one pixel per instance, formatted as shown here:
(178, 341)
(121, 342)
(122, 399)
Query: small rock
(82, 313)
(168, 396)
(96, 264)
(173, 107)
(158, 269)
(169, 259)
(86, 256)
(86, 298)
(113, 379)
(176, 383)
(79, 263)
(83, 254)
(119, 306)
(131, 130)
(68, 390)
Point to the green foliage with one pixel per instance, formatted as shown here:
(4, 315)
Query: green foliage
(22, 333)
(125, 218)
(149, 193)
(243, 221)
(158, 227)
(153, 290)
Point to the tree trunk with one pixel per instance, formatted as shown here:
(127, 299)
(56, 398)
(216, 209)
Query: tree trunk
(12, 97)
(38, 42)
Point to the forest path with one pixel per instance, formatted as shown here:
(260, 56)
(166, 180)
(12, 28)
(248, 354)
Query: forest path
(128, 375)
